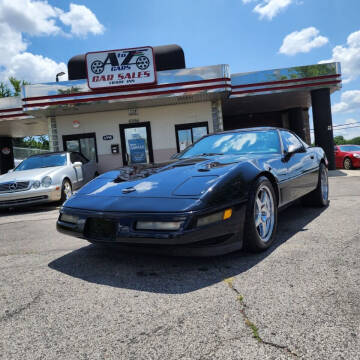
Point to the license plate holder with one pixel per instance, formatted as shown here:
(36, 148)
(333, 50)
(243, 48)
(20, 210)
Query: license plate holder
(101, 229)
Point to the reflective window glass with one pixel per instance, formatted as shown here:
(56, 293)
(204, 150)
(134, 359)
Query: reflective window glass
(237, 143)
(290, 139)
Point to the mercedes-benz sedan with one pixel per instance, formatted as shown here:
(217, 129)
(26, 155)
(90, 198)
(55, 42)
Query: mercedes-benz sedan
(45, 178)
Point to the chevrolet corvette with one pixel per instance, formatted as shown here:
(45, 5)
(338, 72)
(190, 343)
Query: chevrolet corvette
(219, 195)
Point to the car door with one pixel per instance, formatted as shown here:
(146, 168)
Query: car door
(88, 168)
(337, 156)
(79, 172)
(302, 168)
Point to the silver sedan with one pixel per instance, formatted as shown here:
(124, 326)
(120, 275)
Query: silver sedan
(45, 178)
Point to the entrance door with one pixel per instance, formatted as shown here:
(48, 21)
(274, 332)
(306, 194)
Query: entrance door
(136, 144)
(84, 144)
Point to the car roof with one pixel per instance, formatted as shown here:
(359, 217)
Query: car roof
(51, 153)
(259, 128)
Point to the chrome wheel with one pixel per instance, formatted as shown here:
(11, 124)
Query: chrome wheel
(67, 190)
(264, 214)
(324, 184)
(347, 164)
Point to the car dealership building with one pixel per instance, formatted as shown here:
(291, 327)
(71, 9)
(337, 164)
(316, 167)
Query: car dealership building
(142, 105)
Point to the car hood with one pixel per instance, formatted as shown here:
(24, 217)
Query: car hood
(182, 179)
(34, 174)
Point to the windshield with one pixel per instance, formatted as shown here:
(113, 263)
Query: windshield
(42, 161)
(350, 148)
(237, 143)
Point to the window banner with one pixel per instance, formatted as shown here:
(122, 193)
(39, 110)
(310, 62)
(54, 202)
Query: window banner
(137, 151)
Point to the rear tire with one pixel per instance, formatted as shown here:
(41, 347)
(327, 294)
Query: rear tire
(261, 216)
(66, 191)
(348, 164)
(320, 196)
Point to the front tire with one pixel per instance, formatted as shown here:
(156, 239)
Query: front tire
(347, 164)
(261, 216)
(66, 191)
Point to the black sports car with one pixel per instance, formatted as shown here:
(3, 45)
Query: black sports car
(220, 194)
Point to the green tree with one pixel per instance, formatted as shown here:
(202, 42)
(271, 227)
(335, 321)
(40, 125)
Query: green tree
(339, 140)
(355, 141)
(6, 91)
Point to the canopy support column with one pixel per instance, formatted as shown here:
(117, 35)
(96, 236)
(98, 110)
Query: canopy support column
(323, 127)
(53, 134)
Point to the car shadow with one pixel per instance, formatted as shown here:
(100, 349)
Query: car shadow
(173, 275)
(28, 209)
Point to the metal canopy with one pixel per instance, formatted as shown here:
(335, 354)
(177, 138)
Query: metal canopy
(261, 91)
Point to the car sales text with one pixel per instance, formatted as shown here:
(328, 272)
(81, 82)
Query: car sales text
(121, 78)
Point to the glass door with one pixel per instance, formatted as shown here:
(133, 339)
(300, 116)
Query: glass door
(136, 144)
(85, 144)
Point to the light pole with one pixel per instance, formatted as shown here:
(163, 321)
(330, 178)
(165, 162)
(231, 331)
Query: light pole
(59, 74)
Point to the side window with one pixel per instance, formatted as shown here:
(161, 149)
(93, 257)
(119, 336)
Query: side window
(76, 157)
(72, 158)
(290, 139)
(84, 160)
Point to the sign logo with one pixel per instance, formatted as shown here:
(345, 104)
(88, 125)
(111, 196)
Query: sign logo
(13, 186)
(119, 68)
(76, 123)
(6, 151)
(108, 137)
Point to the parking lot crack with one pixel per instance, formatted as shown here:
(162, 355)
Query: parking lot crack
(254, 329)
(10, 314)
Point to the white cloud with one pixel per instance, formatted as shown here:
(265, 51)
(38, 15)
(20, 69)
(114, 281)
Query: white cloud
(349, 56)
(11, 43)
(33, 68)
(269, 8)
(82, 21)
(38, 18)
(350, 102)
(31, 17)
(348, 132)
(302, 41)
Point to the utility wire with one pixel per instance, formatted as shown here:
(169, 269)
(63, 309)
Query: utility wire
(343, 128)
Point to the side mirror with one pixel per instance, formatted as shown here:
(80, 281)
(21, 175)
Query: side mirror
(292, 149)
(11, 170)
(77, 164)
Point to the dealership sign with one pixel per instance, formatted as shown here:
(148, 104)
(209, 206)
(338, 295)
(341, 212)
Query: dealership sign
(121, 68)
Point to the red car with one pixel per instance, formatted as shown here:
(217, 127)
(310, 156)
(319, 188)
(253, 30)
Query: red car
(347, 156)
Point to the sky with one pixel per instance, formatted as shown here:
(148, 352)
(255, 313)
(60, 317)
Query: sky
(37, 38)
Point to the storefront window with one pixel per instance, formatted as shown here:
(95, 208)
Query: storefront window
(187, 134)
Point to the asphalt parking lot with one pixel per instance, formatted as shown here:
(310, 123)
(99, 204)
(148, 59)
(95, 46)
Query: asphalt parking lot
(64, 299)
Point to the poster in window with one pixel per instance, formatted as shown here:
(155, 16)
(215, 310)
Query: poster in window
(137, 151)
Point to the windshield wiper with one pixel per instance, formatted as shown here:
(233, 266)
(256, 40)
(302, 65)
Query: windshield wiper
(209, 154)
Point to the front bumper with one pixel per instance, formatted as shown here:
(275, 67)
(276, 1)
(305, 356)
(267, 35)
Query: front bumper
(355, 162)
(214, 239)
(30, 197)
